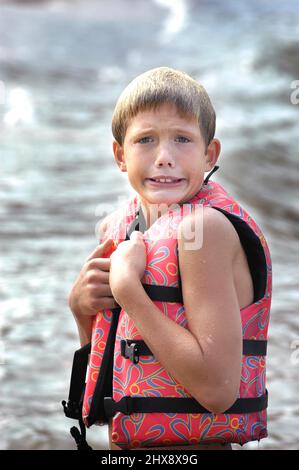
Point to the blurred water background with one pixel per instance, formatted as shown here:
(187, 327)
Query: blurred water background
(62, 67)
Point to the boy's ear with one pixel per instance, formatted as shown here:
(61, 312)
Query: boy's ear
(212, 154)
(119, 156)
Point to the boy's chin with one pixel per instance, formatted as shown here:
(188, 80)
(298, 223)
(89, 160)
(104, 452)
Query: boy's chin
(168, 201)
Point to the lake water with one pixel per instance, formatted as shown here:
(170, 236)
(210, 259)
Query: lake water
(62, 67)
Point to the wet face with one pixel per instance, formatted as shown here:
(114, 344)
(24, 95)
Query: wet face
(164, 155)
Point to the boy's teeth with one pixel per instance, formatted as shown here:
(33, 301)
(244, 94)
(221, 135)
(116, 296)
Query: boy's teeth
(165, 180)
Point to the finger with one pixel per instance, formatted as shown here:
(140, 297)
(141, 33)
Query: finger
(107, 302)
(101, 264)
(97, 305)
(97, 293)
(136, 236)
(102, 249)
(97, 277)
(106, 291)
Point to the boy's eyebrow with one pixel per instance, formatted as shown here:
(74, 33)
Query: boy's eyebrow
(183, 130)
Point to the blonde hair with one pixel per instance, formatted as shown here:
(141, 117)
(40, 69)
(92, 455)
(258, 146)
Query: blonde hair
(164, 85)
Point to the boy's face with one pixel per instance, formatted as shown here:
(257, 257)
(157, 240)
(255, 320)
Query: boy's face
(164, 155)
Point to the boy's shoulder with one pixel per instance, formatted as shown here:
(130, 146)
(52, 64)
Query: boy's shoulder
(217, 232)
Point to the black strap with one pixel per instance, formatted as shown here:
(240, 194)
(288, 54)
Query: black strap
(72, 408)
(163, 293)
(139, 223)
(104, 382)
(254, 347)
(80, 437)
(129, 405)
(210, 174)
(133, 349)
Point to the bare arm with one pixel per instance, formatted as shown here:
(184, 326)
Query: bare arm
(212, 307)
(206, 358)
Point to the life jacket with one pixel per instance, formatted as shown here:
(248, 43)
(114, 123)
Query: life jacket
(125, 382)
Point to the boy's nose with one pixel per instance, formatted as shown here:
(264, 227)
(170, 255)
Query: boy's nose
(164, 158)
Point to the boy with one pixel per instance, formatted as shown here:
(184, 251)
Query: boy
(164, 126)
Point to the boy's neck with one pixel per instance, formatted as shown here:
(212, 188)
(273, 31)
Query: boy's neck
(149, 213)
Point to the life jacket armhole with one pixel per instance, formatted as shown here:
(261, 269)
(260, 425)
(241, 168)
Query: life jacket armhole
(254, 253)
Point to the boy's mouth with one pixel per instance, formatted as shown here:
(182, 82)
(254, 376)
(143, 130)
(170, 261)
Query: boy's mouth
(165, 180)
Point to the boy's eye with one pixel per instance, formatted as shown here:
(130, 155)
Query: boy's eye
(144, 140)
(182, 139)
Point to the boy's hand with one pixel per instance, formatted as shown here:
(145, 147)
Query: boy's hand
(128, 264)
(91, 291)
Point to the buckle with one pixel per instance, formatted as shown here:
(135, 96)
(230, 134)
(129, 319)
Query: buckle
(130, 351)
(124, 406)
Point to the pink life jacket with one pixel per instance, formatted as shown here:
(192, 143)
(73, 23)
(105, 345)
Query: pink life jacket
(124, 381)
